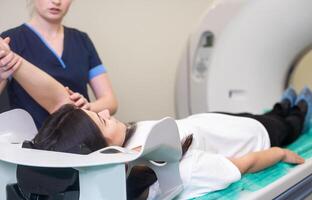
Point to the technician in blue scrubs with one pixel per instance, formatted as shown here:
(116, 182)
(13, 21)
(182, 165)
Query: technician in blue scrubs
(66, 54)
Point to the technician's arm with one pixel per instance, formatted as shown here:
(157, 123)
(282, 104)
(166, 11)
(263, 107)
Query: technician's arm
(49, 93)
(260, 160)
(105, 97)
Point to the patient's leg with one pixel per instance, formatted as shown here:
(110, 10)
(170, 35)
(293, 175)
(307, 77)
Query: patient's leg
(295, 119)
(281, 109)
(279, 129)
(283, 123)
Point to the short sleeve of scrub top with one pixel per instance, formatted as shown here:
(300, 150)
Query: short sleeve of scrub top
(78, 64)
(202, 172)
(96, 66)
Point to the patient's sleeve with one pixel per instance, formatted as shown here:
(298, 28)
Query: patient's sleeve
(203, 172)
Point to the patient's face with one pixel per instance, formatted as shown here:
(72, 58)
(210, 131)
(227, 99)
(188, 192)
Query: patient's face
(113, 130)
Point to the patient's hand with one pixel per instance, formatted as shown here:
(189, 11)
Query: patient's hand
(291, 157)
(78, 99)
(256, 161)
(9, 61)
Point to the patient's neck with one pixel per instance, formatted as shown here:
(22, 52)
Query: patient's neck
(131, 128)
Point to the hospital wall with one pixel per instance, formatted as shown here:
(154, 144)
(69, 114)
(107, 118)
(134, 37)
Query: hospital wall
(140, 42)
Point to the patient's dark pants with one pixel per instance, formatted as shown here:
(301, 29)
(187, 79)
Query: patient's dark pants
(284, 124)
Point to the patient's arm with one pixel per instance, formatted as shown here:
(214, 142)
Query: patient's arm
(8, 64)
(257, 161)
(49, 93)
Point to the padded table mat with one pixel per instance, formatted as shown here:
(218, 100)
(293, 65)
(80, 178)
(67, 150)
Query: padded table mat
(255, 181)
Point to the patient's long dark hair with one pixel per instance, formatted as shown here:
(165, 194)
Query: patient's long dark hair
(71, 130)
(68, 130)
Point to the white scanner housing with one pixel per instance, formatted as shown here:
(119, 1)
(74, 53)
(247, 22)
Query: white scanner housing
(240, 56)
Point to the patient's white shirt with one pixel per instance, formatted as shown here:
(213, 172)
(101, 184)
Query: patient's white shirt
(216, 137)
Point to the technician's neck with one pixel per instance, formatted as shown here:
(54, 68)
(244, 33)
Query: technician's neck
(46, 27)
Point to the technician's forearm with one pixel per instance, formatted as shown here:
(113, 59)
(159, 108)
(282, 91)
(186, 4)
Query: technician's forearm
(106, 102)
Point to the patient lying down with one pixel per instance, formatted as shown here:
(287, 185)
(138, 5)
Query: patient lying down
(217, 147)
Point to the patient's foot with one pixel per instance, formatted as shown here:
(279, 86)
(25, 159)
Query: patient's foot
(289, 96)
(304, 102)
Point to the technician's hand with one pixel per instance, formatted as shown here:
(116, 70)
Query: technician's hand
(9, 61)
(78, 99)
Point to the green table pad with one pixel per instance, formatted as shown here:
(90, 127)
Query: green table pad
(255, 181)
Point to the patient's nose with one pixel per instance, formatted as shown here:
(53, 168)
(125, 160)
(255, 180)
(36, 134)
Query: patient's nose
(104, 113)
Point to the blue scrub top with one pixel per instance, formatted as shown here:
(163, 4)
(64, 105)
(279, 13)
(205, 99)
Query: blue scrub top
(78, 64)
